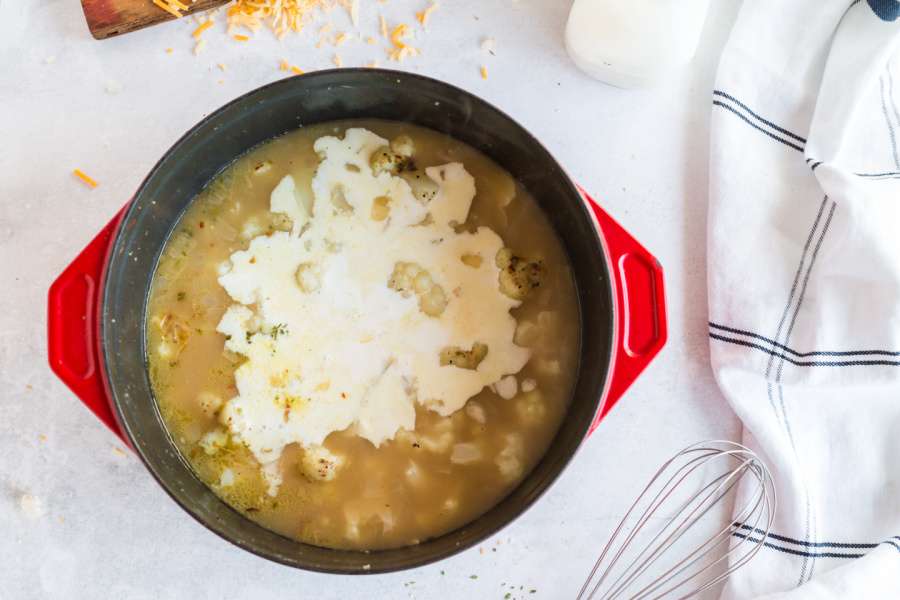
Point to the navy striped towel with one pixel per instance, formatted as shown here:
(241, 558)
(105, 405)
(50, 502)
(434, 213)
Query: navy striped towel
(804, 286)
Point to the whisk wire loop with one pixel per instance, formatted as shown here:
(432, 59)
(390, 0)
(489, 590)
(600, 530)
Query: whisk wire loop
(681, 481)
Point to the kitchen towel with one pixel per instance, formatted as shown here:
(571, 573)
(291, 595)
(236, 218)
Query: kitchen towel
(804, 287)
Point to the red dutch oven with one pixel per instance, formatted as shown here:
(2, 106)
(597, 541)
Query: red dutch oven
(97, 306)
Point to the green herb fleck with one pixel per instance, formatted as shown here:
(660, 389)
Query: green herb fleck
(507, 596)
(532, 591)
(442, 572)
(473, 576)
(279, 329)
(249, 337)
(180, 296)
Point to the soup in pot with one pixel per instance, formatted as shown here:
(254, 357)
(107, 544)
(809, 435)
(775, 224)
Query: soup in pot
(363, 334)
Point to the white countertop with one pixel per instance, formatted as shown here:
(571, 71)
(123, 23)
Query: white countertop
(111, 108)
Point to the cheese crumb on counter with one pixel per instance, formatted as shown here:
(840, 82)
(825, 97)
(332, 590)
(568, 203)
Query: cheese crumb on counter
(85, 178)
(423, 15)
(202, 27)
(31, 506)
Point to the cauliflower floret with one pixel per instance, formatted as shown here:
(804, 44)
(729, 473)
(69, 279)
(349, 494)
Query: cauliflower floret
(226, 478)
(409, 278)
(423, 187)
(464, 359)
(548, 367)
(320, 464)
(530, 408)
(385, 160)
(518, 276)
(210, 403)
(507, 388)
(403, 145)
(509, 460)
(213, 441)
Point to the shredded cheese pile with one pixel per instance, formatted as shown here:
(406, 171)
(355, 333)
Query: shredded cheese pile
(244, 18)
(173, 7)
(283, 16)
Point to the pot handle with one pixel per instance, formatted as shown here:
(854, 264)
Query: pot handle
(640, 306)
(72, 329)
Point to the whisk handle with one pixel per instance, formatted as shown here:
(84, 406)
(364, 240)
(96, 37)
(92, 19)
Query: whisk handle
(639, 306)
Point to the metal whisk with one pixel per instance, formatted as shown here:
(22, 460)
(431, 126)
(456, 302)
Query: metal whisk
(691, 482)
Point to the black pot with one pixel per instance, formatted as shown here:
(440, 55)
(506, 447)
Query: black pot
(97, 307)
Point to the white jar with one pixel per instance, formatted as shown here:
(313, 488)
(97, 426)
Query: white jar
(633, 43)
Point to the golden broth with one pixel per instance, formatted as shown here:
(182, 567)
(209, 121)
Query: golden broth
(410, 488)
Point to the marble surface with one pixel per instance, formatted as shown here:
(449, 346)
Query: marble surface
(103, 527)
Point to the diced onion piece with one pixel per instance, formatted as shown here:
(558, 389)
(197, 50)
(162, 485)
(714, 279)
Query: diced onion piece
(476, 412)
(465, 453)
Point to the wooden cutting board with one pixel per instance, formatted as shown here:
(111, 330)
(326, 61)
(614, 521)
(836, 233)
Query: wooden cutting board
(107, 18)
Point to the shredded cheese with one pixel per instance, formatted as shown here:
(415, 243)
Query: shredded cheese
(401, 49)
(297, 70)
(168, 51)
(168, 8)
(282, 16)
(338, 61)
(199, 46)
(202, 27)
(483, 72)
(177, 4)
(423, 15)
(221, 66)
(240, 38)
(284, 65)
(341, 38)
(383, 24)
(84, 177)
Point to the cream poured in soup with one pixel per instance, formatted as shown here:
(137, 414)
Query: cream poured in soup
(363, 334)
